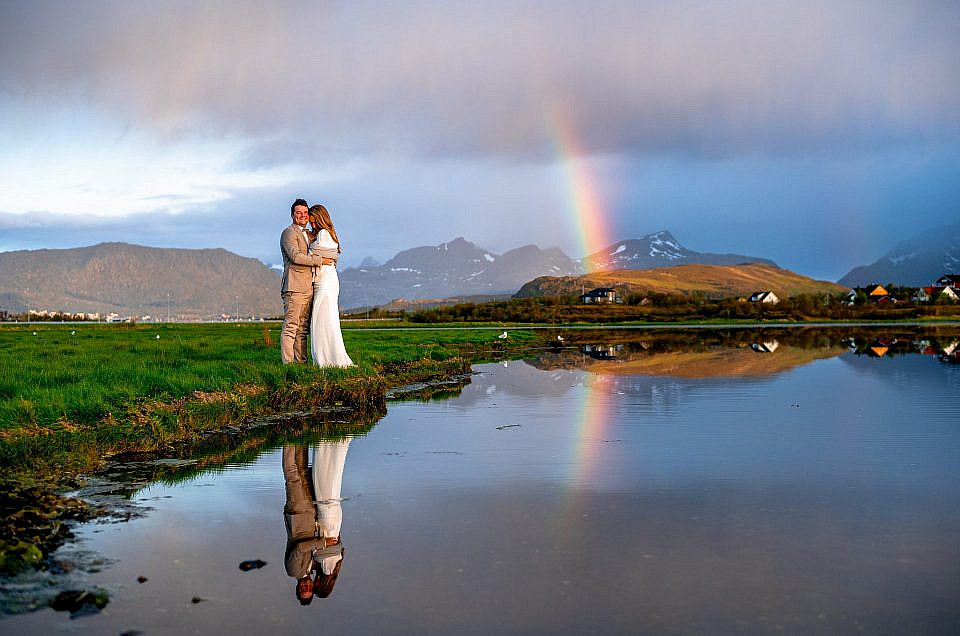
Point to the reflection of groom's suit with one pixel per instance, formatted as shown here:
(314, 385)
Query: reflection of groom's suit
(312, 513)
(296, 288)
(299, 513)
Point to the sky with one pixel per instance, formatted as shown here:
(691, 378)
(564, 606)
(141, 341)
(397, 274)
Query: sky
(817, 134)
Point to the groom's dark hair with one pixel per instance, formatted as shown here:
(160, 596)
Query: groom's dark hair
(296, 203)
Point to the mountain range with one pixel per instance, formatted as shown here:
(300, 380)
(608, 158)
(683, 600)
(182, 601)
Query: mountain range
(449, 269)
(915, 262)
(461, 268)
(206, 283)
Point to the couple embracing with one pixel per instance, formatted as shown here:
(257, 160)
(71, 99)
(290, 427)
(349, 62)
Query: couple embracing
(310, 288)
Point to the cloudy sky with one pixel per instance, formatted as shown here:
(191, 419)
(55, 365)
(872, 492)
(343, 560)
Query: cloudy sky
(817, 134)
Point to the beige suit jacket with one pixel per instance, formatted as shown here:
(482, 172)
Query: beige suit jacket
(298, 264)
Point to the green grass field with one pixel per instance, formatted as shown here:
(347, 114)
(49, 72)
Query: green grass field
(110, 387)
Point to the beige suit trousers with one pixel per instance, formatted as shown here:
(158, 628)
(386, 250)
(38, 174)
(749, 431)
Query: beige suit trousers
(296, 325)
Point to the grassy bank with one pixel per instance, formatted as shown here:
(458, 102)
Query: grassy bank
(70, 394)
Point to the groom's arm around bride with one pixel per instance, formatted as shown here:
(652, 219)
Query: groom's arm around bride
(297, 284)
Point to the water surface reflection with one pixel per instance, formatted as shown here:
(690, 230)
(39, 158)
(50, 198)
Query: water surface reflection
(313, 516)
(686, 483)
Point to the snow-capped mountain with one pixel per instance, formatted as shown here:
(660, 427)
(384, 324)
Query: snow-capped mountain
(450, 269)
(460, 268)
(659, 250)
(915, 262)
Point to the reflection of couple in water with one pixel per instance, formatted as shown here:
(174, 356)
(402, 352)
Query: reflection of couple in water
(313, 516)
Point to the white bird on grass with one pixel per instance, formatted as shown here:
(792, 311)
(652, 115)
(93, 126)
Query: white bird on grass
(560, 338)
(158, 336)
(73, 333)
(503, 336)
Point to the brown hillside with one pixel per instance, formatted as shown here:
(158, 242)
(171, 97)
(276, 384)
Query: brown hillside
(713, 280)
(137, 280)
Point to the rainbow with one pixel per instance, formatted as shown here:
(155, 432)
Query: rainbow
(589, 437)
(590, 217)
(587, 449)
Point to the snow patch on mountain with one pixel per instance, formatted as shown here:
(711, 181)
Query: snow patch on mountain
(896, 260)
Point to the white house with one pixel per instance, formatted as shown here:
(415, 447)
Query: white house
(765, 297)
(949, 293)
(922, 295)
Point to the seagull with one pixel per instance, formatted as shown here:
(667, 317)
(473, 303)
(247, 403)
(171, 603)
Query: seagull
(73, 333)
(34, 333)
(503, 336)
(158, 336)
(560, 338)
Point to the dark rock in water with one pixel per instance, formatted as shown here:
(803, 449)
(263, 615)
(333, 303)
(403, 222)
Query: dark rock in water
(132, 632)
(80, 602)
(197, 599)
(256, 564)
(142, 579)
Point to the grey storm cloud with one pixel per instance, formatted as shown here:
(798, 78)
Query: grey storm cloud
(493, 78)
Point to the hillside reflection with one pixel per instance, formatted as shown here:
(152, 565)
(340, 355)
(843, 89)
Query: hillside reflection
(743, 353)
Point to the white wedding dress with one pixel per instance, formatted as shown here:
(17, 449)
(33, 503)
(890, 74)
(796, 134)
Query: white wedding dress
(326, 341)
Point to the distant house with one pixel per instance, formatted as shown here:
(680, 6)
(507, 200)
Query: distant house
(765, 297)
(601, 295)
(947, 280)
(887, 300)
(949, 294)
(923, 295)
(874, 292)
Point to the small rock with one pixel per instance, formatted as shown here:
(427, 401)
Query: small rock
(197, 599)
(256, 564)
(79, 602)
(142, 579)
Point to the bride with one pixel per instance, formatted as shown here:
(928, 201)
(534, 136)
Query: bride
(326, 341)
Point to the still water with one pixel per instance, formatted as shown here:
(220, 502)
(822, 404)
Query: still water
(598, 488)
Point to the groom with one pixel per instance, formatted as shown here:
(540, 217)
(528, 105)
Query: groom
(297, 286)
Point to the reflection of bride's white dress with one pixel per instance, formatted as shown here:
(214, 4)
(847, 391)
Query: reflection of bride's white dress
(328, 459)
(326, 341)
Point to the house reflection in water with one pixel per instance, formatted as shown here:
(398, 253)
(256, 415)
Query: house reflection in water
(602, 352)
(767, 346)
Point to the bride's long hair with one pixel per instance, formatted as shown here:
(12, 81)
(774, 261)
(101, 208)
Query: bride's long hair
(320, 219)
